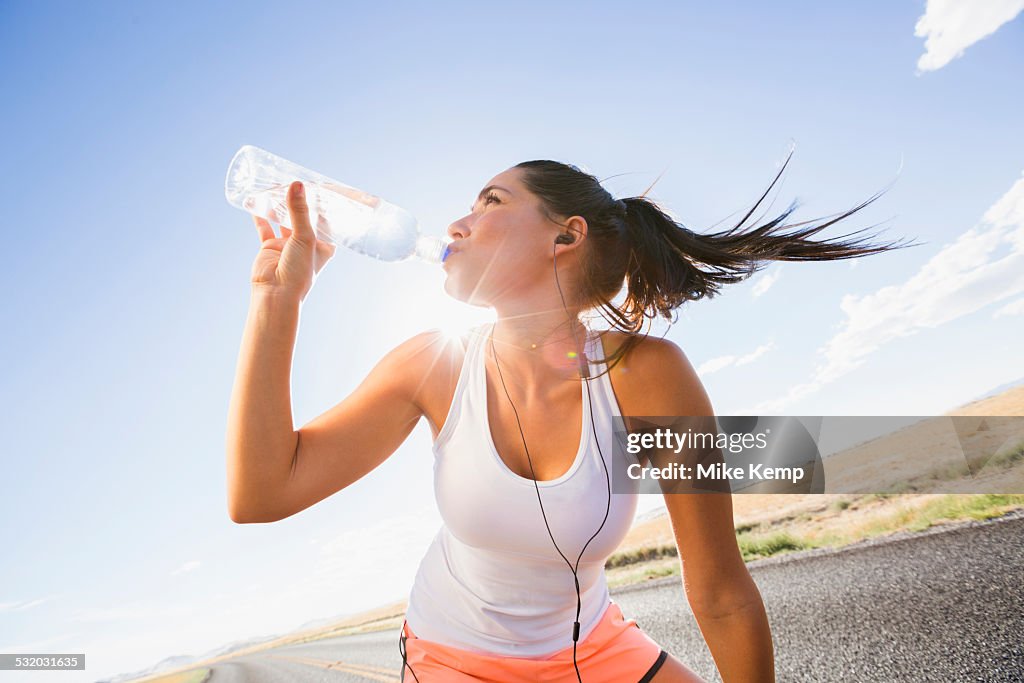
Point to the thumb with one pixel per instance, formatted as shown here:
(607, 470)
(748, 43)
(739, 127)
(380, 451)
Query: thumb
(298, 211)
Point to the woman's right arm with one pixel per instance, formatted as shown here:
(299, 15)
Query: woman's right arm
(274, 471)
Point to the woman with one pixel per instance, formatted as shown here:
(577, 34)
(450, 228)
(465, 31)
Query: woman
(513, 586)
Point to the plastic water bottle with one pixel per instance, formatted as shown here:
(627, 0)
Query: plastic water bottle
(258, 181)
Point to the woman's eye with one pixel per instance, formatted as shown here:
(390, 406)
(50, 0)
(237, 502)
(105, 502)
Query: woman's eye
(488, 198)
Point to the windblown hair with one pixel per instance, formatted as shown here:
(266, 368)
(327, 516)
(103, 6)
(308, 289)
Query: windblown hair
(663, 263)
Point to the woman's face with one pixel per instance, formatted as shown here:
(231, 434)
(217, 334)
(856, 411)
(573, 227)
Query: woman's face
(502, 249)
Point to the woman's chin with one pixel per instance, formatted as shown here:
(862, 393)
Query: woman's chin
(467, 295)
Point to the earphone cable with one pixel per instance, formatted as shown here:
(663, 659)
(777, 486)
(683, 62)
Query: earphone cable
(576, 624)
(584, 363)
(402, 651)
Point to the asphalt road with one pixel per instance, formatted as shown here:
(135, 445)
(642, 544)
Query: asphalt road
(943, 605)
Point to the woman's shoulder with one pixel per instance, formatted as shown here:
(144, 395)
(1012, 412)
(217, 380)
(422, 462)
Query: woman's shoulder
(436, 338)
(434, 347)
(652, 373)
(434, 361)
(644, 351)
(428, 356)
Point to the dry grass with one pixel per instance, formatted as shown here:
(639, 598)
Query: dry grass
(1009, 402)
(830, 521)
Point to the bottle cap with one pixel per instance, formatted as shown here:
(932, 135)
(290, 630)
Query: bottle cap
(431, 249)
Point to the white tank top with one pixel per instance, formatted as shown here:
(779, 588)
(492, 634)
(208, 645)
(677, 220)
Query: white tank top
(491, 580)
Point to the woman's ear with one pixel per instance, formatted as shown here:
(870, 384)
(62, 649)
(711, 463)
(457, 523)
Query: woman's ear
(577, 227)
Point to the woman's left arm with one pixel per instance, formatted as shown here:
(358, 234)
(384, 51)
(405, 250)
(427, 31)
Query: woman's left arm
(723, 596)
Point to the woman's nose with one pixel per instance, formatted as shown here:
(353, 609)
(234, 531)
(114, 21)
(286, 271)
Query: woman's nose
(458, 230)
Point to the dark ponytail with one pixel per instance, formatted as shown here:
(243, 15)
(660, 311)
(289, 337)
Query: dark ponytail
(663, 263)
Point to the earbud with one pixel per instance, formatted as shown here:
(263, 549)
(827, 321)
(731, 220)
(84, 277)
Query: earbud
(565, 238)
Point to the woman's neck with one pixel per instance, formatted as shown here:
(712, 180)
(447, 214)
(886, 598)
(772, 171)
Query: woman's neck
(538, 349)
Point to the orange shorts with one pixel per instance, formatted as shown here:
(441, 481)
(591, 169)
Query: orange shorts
(615, 651)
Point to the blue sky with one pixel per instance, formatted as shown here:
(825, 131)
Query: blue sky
(126, 285)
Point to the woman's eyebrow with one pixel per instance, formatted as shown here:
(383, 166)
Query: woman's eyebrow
(488, 189)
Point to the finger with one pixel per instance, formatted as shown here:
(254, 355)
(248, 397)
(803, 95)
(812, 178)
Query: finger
(286, 232)
(273, 215)
(298, 210)
(275, 244)
(323, 229)
(324, 252)
(270, 219)
(263, 228)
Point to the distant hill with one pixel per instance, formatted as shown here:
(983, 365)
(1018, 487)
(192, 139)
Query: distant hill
(998, 390)
(653, 528)
(174, 662)
(1008, 401)
(179, 662)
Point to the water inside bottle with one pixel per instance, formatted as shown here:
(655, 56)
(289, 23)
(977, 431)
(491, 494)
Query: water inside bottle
(339, 214)
(346, 216)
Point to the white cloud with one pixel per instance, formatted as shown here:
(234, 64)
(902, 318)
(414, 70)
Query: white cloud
(20, 605)
(951, 26)
(715, 364)
(764, 283)
(189, 566)
(984, 265)
(1012, 308)
(722, 362)
(131, 612)
(755, 354)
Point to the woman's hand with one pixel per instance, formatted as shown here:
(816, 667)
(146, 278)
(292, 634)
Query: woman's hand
(288, 264)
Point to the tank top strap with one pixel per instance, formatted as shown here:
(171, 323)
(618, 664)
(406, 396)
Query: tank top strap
(477, 338)
(463, 398)
(600, 379)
